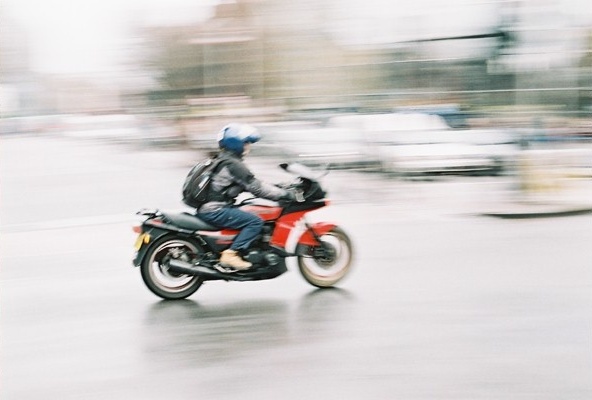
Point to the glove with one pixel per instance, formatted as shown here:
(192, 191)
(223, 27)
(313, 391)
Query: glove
(283, 185)
(289, 196)
(294, 195)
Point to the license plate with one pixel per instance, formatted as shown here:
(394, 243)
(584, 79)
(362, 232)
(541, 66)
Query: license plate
(141, 239)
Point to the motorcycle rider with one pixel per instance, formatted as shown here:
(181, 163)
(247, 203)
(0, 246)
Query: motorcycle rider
(231, 179)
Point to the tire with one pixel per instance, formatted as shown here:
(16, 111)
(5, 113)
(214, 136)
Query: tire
(162, 282)
(325, 271)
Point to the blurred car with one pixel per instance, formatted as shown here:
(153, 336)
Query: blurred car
(451, 113)
(108, 127)
(332, 148)
(34, 124)
(269, 146)
(161, 132)
(423, 144)
(422, 153)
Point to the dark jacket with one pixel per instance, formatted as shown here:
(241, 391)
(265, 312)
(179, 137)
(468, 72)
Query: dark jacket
(233, 178)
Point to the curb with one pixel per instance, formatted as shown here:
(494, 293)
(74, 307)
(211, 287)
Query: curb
(522, 212)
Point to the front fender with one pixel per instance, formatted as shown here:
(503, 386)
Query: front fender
(320, 228)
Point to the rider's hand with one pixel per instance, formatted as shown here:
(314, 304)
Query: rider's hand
(293, 195)
(289, 196)
(283, 185)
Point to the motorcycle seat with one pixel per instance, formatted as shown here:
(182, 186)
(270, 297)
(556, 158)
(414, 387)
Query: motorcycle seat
(189, 221)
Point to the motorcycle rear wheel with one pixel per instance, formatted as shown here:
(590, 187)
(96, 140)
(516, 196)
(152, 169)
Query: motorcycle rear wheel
(159, 279)
(330, 266)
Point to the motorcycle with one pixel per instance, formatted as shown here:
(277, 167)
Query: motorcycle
(177, 251)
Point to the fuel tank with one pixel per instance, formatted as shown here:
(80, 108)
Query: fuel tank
(267, 212)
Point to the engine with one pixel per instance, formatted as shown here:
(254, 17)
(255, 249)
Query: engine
(260, 257)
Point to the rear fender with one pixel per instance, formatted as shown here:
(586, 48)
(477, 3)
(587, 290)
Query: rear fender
(150, 236)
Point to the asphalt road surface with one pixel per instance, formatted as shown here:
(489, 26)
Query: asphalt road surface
(442, 303)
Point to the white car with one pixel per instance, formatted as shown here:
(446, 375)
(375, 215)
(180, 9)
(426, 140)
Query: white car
(421, 144)
(334, 148)
(421, 153)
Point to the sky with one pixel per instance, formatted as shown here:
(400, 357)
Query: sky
(87, 36)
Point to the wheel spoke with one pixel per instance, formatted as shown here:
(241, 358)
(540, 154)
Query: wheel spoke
(160, 279)
(328, 263)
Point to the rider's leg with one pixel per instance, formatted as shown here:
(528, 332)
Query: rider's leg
(250, 226)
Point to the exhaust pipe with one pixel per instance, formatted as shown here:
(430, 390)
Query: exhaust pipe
(184, 267)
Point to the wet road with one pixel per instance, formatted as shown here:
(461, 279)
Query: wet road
(442, 304)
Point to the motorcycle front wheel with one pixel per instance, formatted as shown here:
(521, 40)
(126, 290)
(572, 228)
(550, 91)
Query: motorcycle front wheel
(324, 267)
(159, 279)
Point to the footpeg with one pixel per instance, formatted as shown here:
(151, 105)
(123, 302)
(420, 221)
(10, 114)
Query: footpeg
(224, 270)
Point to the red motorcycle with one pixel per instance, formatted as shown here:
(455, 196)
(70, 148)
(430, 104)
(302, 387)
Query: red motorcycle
(178, 252)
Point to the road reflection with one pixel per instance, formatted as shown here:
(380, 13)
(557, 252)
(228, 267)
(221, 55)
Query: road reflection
(187, 332)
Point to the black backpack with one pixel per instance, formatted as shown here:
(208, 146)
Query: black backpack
(197, 182)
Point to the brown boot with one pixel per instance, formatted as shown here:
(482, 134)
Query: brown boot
(231, 259)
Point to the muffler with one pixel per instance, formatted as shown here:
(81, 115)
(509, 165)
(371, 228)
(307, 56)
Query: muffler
(204, 272)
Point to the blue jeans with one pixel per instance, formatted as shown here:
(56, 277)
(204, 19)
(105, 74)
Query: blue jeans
(250, 225)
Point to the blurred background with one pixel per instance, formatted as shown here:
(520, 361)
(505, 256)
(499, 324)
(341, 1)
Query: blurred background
(171, 74)
(429, 113)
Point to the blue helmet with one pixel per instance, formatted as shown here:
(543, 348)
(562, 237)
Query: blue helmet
(234, 136)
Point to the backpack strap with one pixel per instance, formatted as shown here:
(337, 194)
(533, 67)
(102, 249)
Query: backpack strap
(219, 163)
